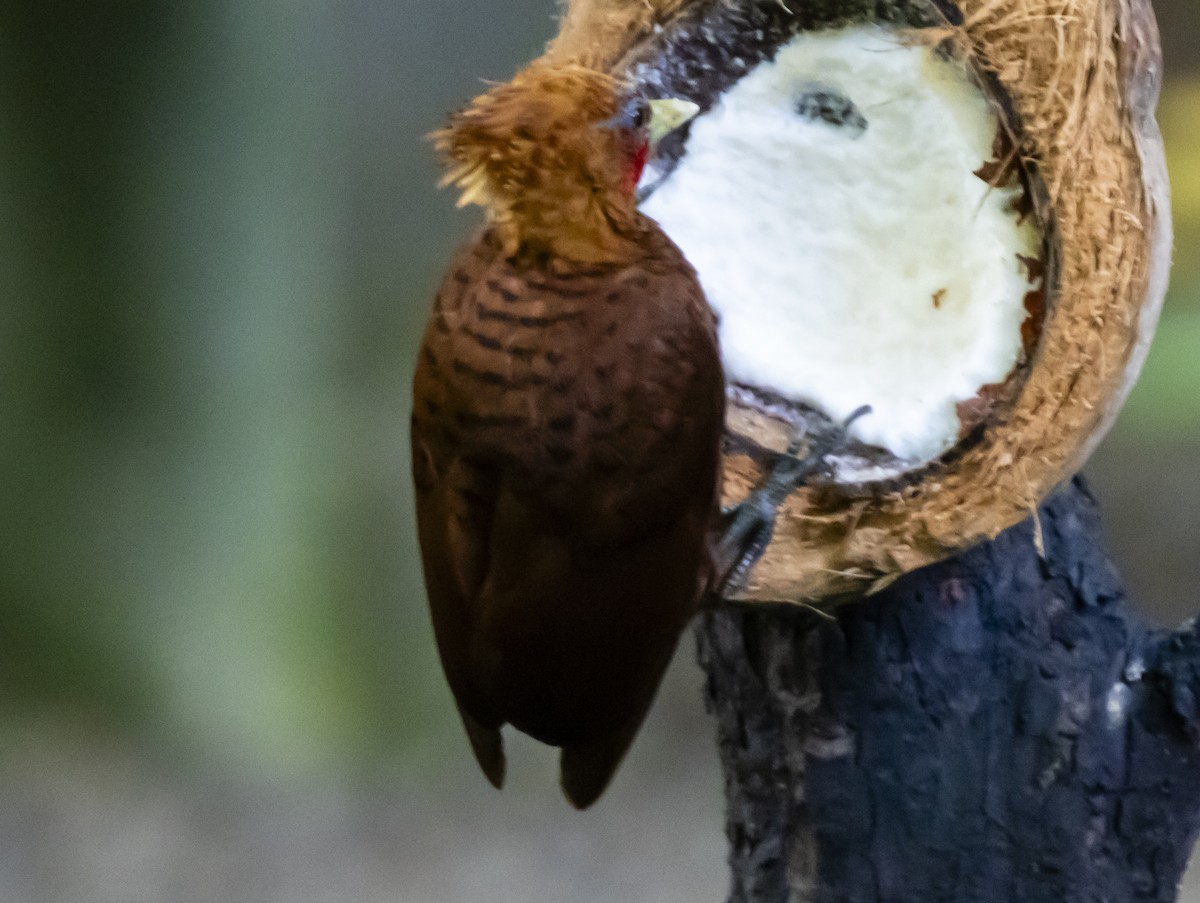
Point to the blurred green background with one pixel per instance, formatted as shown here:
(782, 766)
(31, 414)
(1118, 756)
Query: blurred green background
(219, 234)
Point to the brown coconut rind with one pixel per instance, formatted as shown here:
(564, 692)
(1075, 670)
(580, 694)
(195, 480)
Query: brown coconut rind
(599, 32)
(1082, 77)
(701, 54)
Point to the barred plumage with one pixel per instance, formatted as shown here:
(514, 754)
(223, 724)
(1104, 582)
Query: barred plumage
(567, 413)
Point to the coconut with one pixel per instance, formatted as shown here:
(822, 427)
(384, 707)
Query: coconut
(957, 215)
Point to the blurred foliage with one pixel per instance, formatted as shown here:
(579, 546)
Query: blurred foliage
(1165, 404)
(219, 231)
(1179, 116)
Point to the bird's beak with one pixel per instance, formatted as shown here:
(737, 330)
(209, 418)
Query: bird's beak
(668, 115)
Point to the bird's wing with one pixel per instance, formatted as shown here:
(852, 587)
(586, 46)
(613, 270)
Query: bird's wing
(564, 455)
(455, 496)
(576, 640)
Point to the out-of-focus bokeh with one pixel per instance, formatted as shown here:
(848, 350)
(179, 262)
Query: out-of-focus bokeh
(219, 231)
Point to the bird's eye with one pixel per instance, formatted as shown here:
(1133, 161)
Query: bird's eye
(632, 116)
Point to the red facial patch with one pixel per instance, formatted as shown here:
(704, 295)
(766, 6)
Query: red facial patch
(637, 164)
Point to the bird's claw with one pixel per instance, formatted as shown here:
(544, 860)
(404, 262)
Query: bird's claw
(748, 528)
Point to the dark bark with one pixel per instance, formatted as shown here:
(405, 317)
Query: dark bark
(997, 727)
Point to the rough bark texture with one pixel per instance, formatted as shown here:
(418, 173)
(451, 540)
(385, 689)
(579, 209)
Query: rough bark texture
(997, 727)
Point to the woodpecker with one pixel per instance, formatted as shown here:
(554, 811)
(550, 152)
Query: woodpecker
(568, 406)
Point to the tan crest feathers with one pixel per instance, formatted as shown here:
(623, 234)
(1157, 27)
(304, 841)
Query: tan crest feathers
(529, 152)
(520, 124)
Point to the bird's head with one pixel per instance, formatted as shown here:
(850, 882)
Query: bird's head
(554, 157)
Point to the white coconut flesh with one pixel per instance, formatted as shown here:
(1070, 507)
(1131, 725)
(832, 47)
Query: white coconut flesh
(830, 204)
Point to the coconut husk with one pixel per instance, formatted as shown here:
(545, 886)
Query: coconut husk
(1082, 77)
(599, 32)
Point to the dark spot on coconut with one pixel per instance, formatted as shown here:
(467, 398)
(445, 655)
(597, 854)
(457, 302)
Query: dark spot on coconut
(1035, 269)
(974, 411)
(938, 297)
(823, 104)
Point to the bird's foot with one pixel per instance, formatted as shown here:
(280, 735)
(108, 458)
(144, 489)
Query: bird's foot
(746, 530)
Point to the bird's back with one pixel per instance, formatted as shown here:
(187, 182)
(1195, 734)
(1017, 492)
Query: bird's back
(566, 430)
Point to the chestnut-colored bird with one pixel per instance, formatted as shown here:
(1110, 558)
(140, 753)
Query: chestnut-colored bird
(567, 414)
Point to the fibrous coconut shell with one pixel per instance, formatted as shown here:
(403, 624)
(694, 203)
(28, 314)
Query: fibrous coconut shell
(1082, 78)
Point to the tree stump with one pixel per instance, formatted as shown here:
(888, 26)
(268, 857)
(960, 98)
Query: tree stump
(994, 722)
(996, 727)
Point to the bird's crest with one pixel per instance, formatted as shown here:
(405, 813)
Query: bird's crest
(534, 153)
(537, 122)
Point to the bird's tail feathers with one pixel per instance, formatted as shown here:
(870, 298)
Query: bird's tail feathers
(588, 768)
(488, 746)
